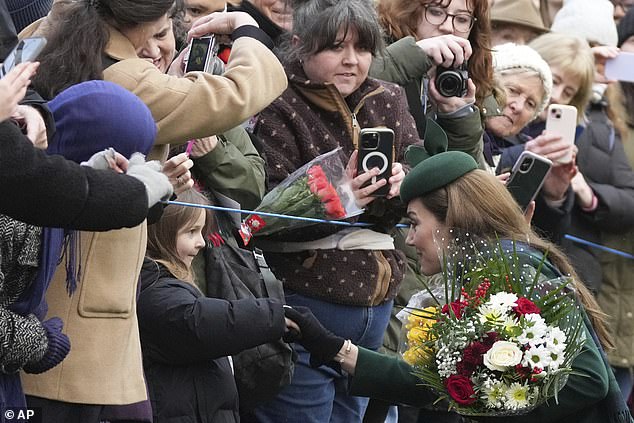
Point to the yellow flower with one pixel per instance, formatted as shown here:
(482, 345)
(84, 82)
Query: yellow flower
(418, 356)
(422, 318)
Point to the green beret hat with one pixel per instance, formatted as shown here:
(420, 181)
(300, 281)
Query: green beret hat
(436, 172)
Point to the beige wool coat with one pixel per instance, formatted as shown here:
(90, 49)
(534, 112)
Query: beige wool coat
(104, 365)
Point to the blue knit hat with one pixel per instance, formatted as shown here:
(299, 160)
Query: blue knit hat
(25, 12)
(95, 115)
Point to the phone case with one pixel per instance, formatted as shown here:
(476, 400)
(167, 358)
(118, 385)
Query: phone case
(376, 149)
(26, 50)
(527, 177)
(621, 68)
(562, 120)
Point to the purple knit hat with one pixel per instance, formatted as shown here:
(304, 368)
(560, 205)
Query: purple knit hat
(95, 115)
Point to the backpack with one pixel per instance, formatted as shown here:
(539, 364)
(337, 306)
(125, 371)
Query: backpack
(235, 273)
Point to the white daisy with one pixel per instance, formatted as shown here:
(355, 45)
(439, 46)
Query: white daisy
(495, 396)
(517, 396)
(503, 301)
(534, 330)
(537, 358)
(556, 359)
(490, 314)
(556, 339)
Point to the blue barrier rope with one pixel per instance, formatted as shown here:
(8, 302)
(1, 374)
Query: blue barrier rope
(599, 246)
(362, 224)
(283, 216)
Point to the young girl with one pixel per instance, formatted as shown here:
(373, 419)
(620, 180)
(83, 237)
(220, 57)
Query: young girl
(185, 336)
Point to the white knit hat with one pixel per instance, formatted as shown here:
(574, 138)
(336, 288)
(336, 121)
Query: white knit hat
(516, 56)
(592, 20)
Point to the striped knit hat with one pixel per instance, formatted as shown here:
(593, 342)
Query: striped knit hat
(25, 12)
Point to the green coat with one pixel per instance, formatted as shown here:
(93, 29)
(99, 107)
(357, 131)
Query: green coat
(234, 168)
(391, 379)
(590, 396)
(406, 64)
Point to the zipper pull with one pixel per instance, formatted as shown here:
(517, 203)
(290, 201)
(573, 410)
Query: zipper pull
(355, 124)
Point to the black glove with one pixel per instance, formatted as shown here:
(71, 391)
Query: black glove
(58, 347)
(322, 345)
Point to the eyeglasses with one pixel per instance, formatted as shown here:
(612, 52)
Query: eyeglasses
(461, 22)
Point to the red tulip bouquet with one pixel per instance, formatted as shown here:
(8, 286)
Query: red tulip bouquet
(318, 190)
(501, 338)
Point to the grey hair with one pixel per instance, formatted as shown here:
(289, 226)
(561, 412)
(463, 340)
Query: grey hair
(317, 22)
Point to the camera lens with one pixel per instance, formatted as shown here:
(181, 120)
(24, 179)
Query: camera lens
(526, 165)
(448, 84)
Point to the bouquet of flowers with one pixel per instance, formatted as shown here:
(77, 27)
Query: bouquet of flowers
(318, 190)
(500, 339)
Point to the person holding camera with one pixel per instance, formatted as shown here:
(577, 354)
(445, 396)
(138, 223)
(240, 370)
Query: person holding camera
(329, 101)
(440, 54)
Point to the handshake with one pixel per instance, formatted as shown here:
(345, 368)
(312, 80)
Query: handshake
(322, 344)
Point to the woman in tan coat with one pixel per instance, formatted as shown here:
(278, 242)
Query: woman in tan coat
(104, 368)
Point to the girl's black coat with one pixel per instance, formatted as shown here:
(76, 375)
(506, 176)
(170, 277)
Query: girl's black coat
(185, 338)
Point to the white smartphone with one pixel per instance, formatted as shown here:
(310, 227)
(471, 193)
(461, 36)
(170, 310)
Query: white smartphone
(25, 51)
(562, 120)
(621, 68)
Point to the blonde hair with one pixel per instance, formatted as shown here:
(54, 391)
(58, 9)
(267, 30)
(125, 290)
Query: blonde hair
(573, 56)
(460, 205)
(161, 236)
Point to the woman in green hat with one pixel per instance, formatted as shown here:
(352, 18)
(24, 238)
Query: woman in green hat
(447, 191)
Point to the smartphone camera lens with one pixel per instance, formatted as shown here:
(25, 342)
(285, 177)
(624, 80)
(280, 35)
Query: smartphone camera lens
(526, 165)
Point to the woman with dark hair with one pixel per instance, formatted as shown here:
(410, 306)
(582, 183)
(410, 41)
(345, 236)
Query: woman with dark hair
(98, 39)
(329, 99)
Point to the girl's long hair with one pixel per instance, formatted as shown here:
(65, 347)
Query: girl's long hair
(400, 18)
(161, 236)
(460, 205)
(79, 35)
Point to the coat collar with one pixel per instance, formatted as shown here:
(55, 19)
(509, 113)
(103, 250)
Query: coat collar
(119, 47)
(327, 97)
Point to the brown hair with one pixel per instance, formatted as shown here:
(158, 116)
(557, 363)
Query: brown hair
(400, 19)
(77, 40)
(460, 205)
(161, 236)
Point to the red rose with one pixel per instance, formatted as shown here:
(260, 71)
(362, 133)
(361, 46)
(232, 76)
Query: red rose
(456, 306)
(526, 306)
(460, 389)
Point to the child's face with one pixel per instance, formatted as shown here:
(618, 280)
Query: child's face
(190, 239)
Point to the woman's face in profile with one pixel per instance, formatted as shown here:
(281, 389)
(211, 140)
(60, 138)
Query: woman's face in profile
(346, 64)
(423, 227)
(524, 92)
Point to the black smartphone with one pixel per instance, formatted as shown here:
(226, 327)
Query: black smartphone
(202, 54)
(26, 50)
(376, 149)
(527, 177)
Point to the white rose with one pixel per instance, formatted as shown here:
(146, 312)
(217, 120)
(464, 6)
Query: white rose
(502, 355)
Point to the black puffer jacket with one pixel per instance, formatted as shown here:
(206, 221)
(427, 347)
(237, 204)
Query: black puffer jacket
(185, 338)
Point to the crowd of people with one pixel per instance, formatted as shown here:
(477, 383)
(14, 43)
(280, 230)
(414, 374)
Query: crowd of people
(109, 310)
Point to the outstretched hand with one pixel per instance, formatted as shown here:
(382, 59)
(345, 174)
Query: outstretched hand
(318, 341)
